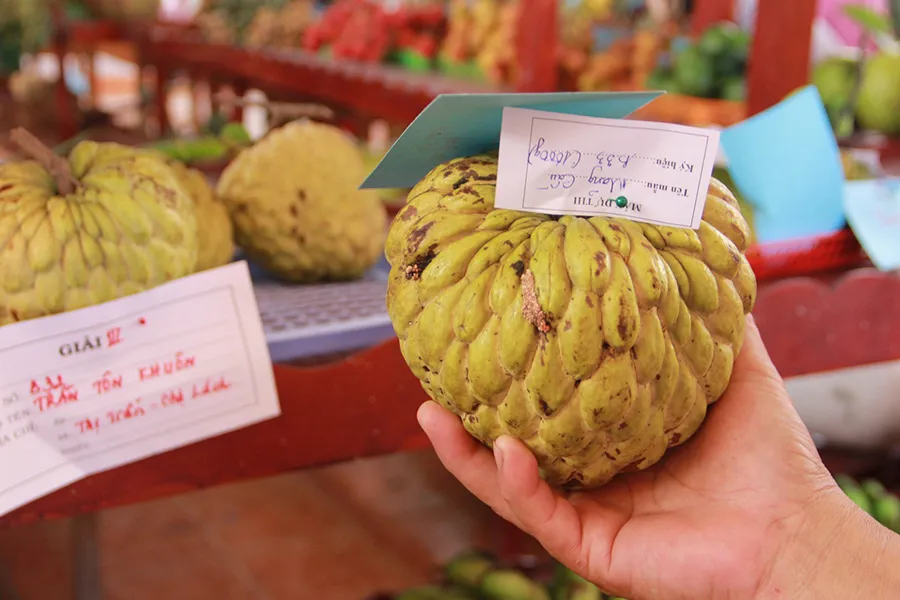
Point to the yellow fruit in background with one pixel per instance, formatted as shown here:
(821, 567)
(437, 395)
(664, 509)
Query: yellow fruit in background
(215, 233)
(599, 341)
(106, 223)
(296, 207)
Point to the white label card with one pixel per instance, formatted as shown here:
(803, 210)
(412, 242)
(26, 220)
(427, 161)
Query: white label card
(86, 391)
(567, 164)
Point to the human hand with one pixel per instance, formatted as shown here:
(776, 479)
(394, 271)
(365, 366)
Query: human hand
(743, 510)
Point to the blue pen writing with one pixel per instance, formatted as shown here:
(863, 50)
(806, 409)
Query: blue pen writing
(558, 180)
(615, 184)
(610, 159)
(569, 158)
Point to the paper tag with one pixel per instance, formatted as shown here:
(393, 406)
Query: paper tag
(564, 164)
(93, 389)
(873, 213)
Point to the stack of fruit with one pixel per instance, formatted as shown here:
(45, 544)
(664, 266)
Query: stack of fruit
(417, 33)
(714, 66)
(351, 29)
(475, 575)
(147, 218)
(24, 27)
(627, 63)
(480, 39)
(866, 95)
(280, 28)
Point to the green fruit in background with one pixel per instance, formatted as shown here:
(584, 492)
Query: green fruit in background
(468, 568)
(833, 78)
(694, 72)
(509, 584)
(734, 88)
(878, 104)
(714, 41)
(658, 79)
(854, 492)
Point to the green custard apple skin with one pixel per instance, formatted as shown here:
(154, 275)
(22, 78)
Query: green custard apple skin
(296, 207)
(215, 233)
(599, 342)
(127, 227)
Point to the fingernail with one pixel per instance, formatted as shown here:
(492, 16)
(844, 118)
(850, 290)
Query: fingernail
(498, 453)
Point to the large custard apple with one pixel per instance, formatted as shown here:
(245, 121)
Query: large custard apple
(296, 206)
(598, 341)
(121, 224)
(215, 233)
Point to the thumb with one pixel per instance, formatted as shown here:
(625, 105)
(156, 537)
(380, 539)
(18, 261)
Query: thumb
(541, 512)
(753, 365)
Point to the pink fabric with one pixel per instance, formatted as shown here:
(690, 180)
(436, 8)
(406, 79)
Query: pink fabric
(832, 11)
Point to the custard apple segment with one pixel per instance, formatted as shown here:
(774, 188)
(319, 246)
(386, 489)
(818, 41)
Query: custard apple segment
(597, 341)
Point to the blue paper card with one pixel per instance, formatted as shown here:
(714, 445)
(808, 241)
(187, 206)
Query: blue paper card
(873, 212)
(787, 164)
(457, 125)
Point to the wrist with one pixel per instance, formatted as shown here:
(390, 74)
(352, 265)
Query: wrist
(834, 550)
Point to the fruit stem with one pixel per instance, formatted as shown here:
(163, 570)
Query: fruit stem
(58, 166)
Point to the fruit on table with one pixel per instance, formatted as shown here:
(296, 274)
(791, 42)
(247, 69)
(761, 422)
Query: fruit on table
(714, 66)
(215, 233)
(833, 78)
(879, 94)
(854, 169)
(598, 342)
(295, 205)
(872, 497)
(105, 223)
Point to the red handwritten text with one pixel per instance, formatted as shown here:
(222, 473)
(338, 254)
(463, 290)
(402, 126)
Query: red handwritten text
(167, 367)
(107, 383)
(131, 410)
(85, 425)
(113, 337)
(210, 386)
(172, 397)
(53, 392)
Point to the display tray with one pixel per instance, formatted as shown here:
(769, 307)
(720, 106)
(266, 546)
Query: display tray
(301, 321)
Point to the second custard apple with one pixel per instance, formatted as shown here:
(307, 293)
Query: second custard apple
(599, 342)
(296, 206)
(215, 233)
(127, 226)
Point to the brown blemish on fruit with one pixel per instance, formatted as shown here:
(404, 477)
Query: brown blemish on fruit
(531, 307)
(568, 326)
(417, 235)
(600, 257)
(588, 301)
(518, 267)
(409, 213)
(414, 270)
(301, 195)
(545, 408)
(293, 210)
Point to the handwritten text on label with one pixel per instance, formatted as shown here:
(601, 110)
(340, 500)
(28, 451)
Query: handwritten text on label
(566, 164)
(89, 390)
